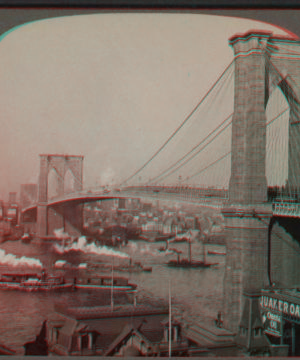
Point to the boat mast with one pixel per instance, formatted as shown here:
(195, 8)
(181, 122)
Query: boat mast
(170, 321)
(204, 253)
(190, 250)
(112, 287)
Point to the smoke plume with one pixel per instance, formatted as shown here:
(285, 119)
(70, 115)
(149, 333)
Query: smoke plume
(10, 259)
(83, 246)
(60, 234)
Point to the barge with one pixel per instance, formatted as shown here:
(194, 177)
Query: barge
(215, 252)
(185, 263)
(104, 283)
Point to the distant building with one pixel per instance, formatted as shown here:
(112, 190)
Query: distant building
(12, 214)
(122, 203)
(12, 200)
(109, 204)
(147, 207)
(190, 222)
(172, 226)
(153, 226)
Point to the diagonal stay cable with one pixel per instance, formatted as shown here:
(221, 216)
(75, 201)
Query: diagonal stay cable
(270, 122)
(224, 156)
(275, 118)
(211, 164)
(164, 174)
(199, 151)
(180, 126)
(192, 150)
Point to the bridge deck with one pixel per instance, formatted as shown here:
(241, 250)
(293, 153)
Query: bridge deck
(212, 198)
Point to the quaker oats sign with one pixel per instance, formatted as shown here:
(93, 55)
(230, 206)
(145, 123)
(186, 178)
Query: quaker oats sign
(150, 182)
(280, 306)
(272, 323)
(272, 320)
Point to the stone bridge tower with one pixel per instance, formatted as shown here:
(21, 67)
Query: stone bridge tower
(262, 62)
(59, 175)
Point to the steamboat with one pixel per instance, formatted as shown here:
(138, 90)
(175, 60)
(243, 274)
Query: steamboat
(33, 282)
(45, 282)
(189, 263)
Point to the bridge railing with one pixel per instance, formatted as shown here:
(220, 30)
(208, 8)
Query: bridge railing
(285, 208)
(182, 191)
(284, 193)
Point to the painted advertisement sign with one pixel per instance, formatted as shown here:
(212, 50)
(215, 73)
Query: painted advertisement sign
(272, 323)
(280, 306)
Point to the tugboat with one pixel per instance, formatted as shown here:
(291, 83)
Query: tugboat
(135, 267)
(165, 248)
(26, 238)
(163, 237)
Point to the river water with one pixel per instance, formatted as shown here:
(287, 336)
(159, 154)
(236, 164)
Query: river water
(196, 293)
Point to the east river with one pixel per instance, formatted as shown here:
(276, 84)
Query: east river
(196, 293)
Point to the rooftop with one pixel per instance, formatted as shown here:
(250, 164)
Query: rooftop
(101, 312)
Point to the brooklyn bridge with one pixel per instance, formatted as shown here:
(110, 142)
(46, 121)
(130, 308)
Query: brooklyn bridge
(265, 73)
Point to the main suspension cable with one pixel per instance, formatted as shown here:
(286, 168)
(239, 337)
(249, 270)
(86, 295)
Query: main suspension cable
(191, 151)
(179, 127)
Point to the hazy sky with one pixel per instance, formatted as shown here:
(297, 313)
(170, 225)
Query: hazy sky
(111, 87)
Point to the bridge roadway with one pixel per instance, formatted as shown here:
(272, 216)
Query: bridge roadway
(211, 198)
(186, 195)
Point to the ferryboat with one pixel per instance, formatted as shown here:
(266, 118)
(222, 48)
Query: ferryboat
(33, 282)
(44, 282)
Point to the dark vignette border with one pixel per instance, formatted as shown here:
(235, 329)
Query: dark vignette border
(282, 13)
(24, 11)
(144, 4)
